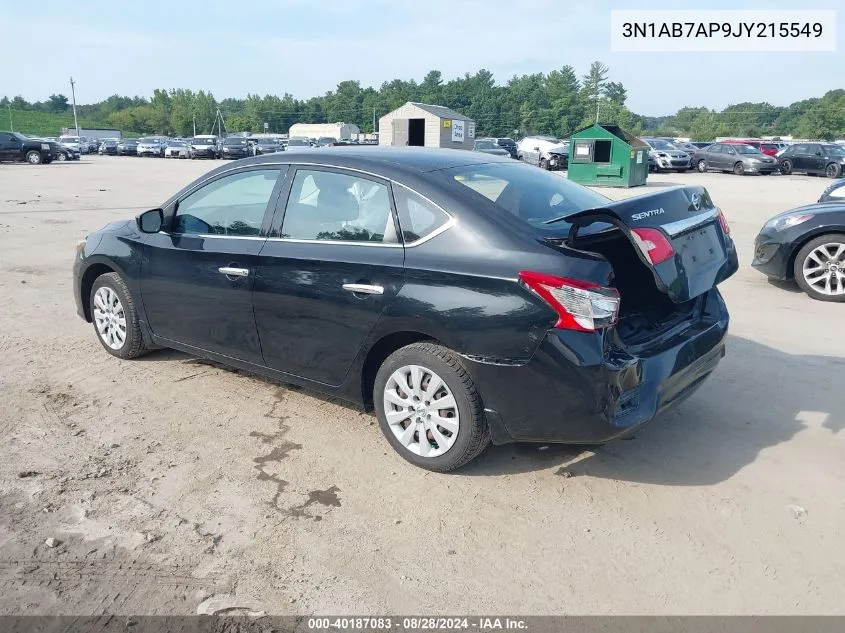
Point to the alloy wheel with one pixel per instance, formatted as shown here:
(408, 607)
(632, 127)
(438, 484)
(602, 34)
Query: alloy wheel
(824, 269)
(110, 318)
(421, 411)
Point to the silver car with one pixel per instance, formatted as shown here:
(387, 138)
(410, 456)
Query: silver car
(666, 156)
(740, 159)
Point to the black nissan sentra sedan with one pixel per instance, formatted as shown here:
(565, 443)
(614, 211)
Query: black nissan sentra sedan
(467, 298)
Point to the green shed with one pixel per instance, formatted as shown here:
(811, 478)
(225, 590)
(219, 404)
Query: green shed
(606, 155)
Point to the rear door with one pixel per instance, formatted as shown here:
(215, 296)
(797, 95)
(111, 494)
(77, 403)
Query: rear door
(333, 262)
(714, 156)
(800, 157)
(701, 254)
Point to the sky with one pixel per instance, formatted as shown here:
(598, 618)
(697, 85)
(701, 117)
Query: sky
(306, 47)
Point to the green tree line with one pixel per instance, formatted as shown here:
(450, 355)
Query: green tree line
(555, 103)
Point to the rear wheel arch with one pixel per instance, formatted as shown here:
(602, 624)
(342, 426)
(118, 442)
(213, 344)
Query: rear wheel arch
(379, 352)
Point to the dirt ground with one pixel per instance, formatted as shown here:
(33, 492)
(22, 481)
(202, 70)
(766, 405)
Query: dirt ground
(173, 486)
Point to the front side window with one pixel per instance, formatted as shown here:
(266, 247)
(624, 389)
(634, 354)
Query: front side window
(325, 205)
(233, 205)
(834, 150)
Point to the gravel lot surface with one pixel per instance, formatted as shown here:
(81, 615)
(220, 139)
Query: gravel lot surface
(171, 485)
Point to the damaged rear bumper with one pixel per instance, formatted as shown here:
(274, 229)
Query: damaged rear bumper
(588, 388)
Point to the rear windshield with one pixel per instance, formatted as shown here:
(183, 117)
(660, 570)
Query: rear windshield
(532, 195)
(661, 144)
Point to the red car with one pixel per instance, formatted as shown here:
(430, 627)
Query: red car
(767, 147)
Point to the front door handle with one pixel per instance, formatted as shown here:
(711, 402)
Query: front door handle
(364, 289)
(229, 271)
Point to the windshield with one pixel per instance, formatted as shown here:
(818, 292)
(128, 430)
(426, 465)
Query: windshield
(148, 140)
(746, 149)
(202, 141)
(70, 139)
(235, 141)
(327, 139)
(532, 195)
(660, 144)
(485, 145)
(177, 144)
(836, 150)
(298, 142)
(265, 143)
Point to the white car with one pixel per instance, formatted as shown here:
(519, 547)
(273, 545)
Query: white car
(536, 150)
(74, 143)
(177, 149)
(151, 147)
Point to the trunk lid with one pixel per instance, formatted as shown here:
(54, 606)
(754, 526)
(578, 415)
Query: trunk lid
(703, 254)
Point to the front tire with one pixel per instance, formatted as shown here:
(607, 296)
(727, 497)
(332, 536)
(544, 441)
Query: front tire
(702, 166)
(62, 157)
(33, 157)
(429, 409)
(786, 167)
(820, 268)
(115, 317)
(832, 170)
(739, 170)
(544, 164)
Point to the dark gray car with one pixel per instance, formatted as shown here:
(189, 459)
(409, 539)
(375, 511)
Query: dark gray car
(740, 159)
(490, 147)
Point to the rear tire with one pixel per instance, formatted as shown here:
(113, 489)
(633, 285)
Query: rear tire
(115, 317)
(739, 170)
(403, 386)
(809, 273)
(786, 167)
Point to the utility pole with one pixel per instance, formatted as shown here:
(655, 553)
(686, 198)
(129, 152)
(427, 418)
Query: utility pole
(11, 127)
(374, 120)
(73, 96)
(195, 125)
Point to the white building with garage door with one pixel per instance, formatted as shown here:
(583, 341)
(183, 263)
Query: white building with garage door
(340, 131)
(425, 125)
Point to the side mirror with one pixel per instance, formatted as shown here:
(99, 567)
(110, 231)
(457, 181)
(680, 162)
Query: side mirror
(536, 149)
(818, 153)
(151, 221)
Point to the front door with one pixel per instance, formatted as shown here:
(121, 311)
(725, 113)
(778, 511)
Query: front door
(801, 158)
(815, 158)
(197, 277)
(9, 146)
(332, 264)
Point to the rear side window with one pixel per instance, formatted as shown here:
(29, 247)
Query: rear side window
(418, 217)
(233, 205)
(325, 205)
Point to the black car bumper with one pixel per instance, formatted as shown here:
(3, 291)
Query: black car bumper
(773, 251)
(205, 153)
(588, 388)
(234, 155)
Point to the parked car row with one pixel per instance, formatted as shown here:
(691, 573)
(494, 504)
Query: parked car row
(16, 147)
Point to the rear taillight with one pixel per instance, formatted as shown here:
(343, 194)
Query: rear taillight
(723, 222)
(653, 244)
(580, 305)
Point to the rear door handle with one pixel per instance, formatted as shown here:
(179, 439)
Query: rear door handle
(364, 289)
(229, 271)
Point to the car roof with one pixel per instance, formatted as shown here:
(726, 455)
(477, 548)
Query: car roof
(383, 159)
